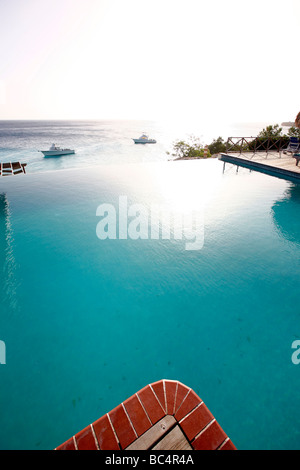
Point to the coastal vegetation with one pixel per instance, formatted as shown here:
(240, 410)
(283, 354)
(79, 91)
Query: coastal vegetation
(189, 149)
(271, 137)
(217, 146)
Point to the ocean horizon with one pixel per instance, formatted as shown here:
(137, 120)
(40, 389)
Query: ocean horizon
(98, 142)
(125, 264)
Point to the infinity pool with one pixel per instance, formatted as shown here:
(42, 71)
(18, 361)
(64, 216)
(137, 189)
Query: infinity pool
(87, 321)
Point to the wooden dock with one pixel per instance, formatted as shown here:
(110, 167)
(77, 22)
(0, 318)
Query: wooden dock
(165, 415)
(273, 163)
(12, 168)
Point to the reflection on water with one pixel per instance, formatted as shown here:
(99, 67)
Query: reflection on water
(8, 288)
(283, 214)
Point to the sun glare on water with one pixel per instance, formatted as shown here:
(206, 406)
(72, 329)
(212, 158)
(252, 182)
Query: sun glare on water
(186, 187)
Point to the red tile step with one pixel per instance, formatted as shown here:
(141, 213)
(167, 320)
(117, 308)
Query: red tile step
(138, 414)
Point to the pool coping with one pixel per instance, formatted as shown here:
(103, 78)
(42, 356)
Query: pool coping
(160, 406)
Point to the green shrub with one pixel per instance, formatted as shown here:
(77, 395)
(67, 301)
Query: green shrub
(192, 149)
(217, 146)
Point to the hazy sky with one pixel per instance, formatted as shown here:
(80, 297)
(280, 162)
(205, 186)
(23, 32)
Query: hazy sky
(150, 59)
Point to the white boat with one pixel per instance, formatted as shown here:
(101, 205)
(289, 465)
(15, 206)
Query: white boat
(55, 151)
(144, 139)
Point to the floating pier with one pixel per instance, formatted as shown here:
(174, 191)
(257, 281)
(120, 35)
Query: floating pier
(164, 415)
(12, 168)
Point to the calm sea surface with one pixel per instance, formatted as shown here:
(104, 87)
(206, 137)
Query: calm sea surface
(103, 142)
(87, 322)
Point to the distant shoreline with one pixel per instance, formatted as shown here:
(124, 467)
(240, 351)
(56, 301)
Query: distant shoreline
(215, 155)
(288, 124)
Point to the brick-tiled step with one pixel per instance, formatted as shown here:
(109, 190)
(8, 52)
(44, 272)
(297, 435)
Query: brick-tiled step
(163, 415)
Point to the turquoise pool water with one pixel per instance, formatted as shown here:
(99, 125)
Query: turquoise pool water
(88, 322)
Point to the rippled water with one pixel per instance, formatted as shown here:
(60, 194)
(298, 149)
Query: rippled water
(101, 142)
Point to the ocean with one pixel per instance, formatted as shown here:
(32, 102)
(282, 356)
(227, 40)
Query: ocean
(104, 142)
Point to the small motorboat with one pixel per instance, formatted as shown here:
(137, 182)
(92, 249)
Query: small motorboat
(55, 151)
(144, 139)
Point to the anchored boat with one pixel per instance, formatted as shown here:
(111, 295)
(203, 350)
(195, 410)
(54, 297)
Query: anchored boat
(144, 139)
(55, 151)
